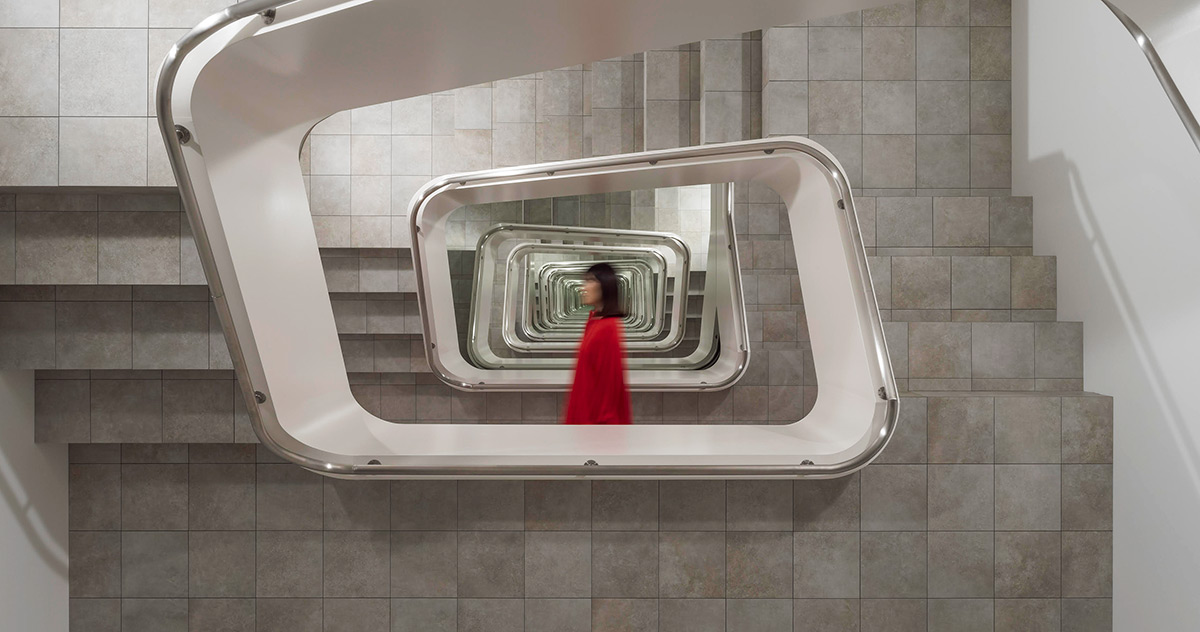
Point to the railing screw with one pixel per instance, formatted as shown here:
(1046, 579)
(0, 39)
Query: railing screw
(183, 134)
(260, 397)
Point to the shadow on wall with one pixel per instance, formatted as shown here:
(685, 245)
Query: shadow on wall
(1064, 173)
(35, 513)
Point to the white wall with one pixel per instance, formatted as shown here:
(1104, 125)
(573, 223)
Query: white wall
(1116, 187)
(33, 516)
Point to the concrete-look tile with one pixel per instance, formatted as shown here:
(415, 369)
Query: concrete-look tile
(42, 13)
(203, 453)
(171, 335)
(95, 615)
(356, 563)
(826, 615)
(491, 505)
(94, 497)
(898, 14)
(826, 565)
(413, 115)
(991, 53)
(55, 248)
(668, 124)
(921, 283)
(370, 195)
(909, 442)
(835, 53)
(960, 615)
(221, 564)
(1081, 615)
(625, 564)
(139, 248)
(1059, 350)
(424, 564)
(424, 615)
(221, 496)
(961, 564)
(154, 453)
(1087, 497)
(943, 161)
(991, 12)
(558, 564)
(894, 497)
(329, 195)
(154, 615)
(1028, 497)
(154, 564)
(759, 505)
(991, 107)
(828, 505)
(154, 497)
(288, 497)
(728, 65)
(730, 116)
(103, 72)
(1001, 350)
(624, 615)
(1011, 221)
(288, 615)
(889, 107)
(8, 243)
(849, 150)
(95, 568)
(181, 13)
(1034, 283)
(1027, 564)
(889, 53)
(943, 53)
(759, 565)
(127, 411)
(94, 13)
(894, 564)
(558, 615)
(785, 107)
(759, 615)
(943, 12)
(28, 151)
(102, 151)
(960, 221)
(1087, 430)
(894, 615)
(356, 505)
(785, 58)
(981, 283)
(943, 107)
(330, 155)
(939, 350)
(625, 505)
(961, 497)
(1028, 430)
(852, 18)
(356, 615)
(835, 107)
(198, 410)
(1032, 615)
(27, 342)
(491, 564)
(904, 221)
(1087, 564)
(691, 615)
(692, 564)
(288, 564)
(31, 58)
(991, 162)
(692, 505)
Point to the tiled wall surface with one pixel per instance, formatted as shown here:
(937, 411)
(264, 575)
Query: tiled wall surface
(985, 513)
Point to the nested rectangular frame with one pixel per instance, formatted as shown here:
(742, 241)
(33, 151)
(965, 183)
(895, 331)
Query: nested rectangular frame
(559, 316)
(233, 126)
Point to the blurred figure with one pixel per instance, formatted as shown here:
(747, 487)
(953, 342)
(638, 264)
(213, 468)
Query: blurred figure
(599, 394)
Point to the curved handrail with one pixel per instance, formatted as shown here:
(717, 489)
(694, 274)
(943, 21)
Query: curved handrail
(176, 137)
(1160, 70)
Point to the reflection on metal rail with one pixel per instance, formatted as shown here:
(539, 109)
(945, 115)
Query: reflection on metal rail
(1186, 116)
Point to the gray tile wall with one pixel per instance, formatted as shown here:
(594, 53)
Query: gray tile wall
(985, 513)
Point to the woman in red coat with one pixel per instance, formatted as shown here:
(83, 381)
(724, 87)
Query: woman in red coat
(599, 394)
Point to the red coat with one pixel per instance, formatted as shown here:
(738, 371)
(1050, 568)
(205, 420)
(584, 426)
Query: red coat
(599, 394)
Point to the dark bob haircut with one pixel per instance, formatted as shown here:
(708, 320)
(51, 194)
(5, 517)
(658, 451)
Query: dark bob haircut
(610, 297)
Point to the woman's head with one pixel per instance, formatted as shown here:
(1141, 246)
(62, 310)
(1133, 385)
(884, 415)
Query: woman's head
(601, 292)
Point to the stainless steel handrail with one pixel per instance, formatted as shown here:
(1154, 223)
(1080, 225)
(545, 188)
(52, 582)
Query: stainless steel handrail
(175, 137)
(1160, 70)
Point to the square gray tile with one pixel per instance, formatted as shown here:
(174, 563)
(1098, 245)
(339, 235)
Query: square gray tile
(625, 564)
(154, 564)
(221, 564)
(154, 497)
(1028, 497)
(961, 497)
(55, 248)
(558, 564)
(424, 564)
(894, 564)
(491, 564)
(288, 564)
(356, 563)
(826, 565)
(961, 564)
